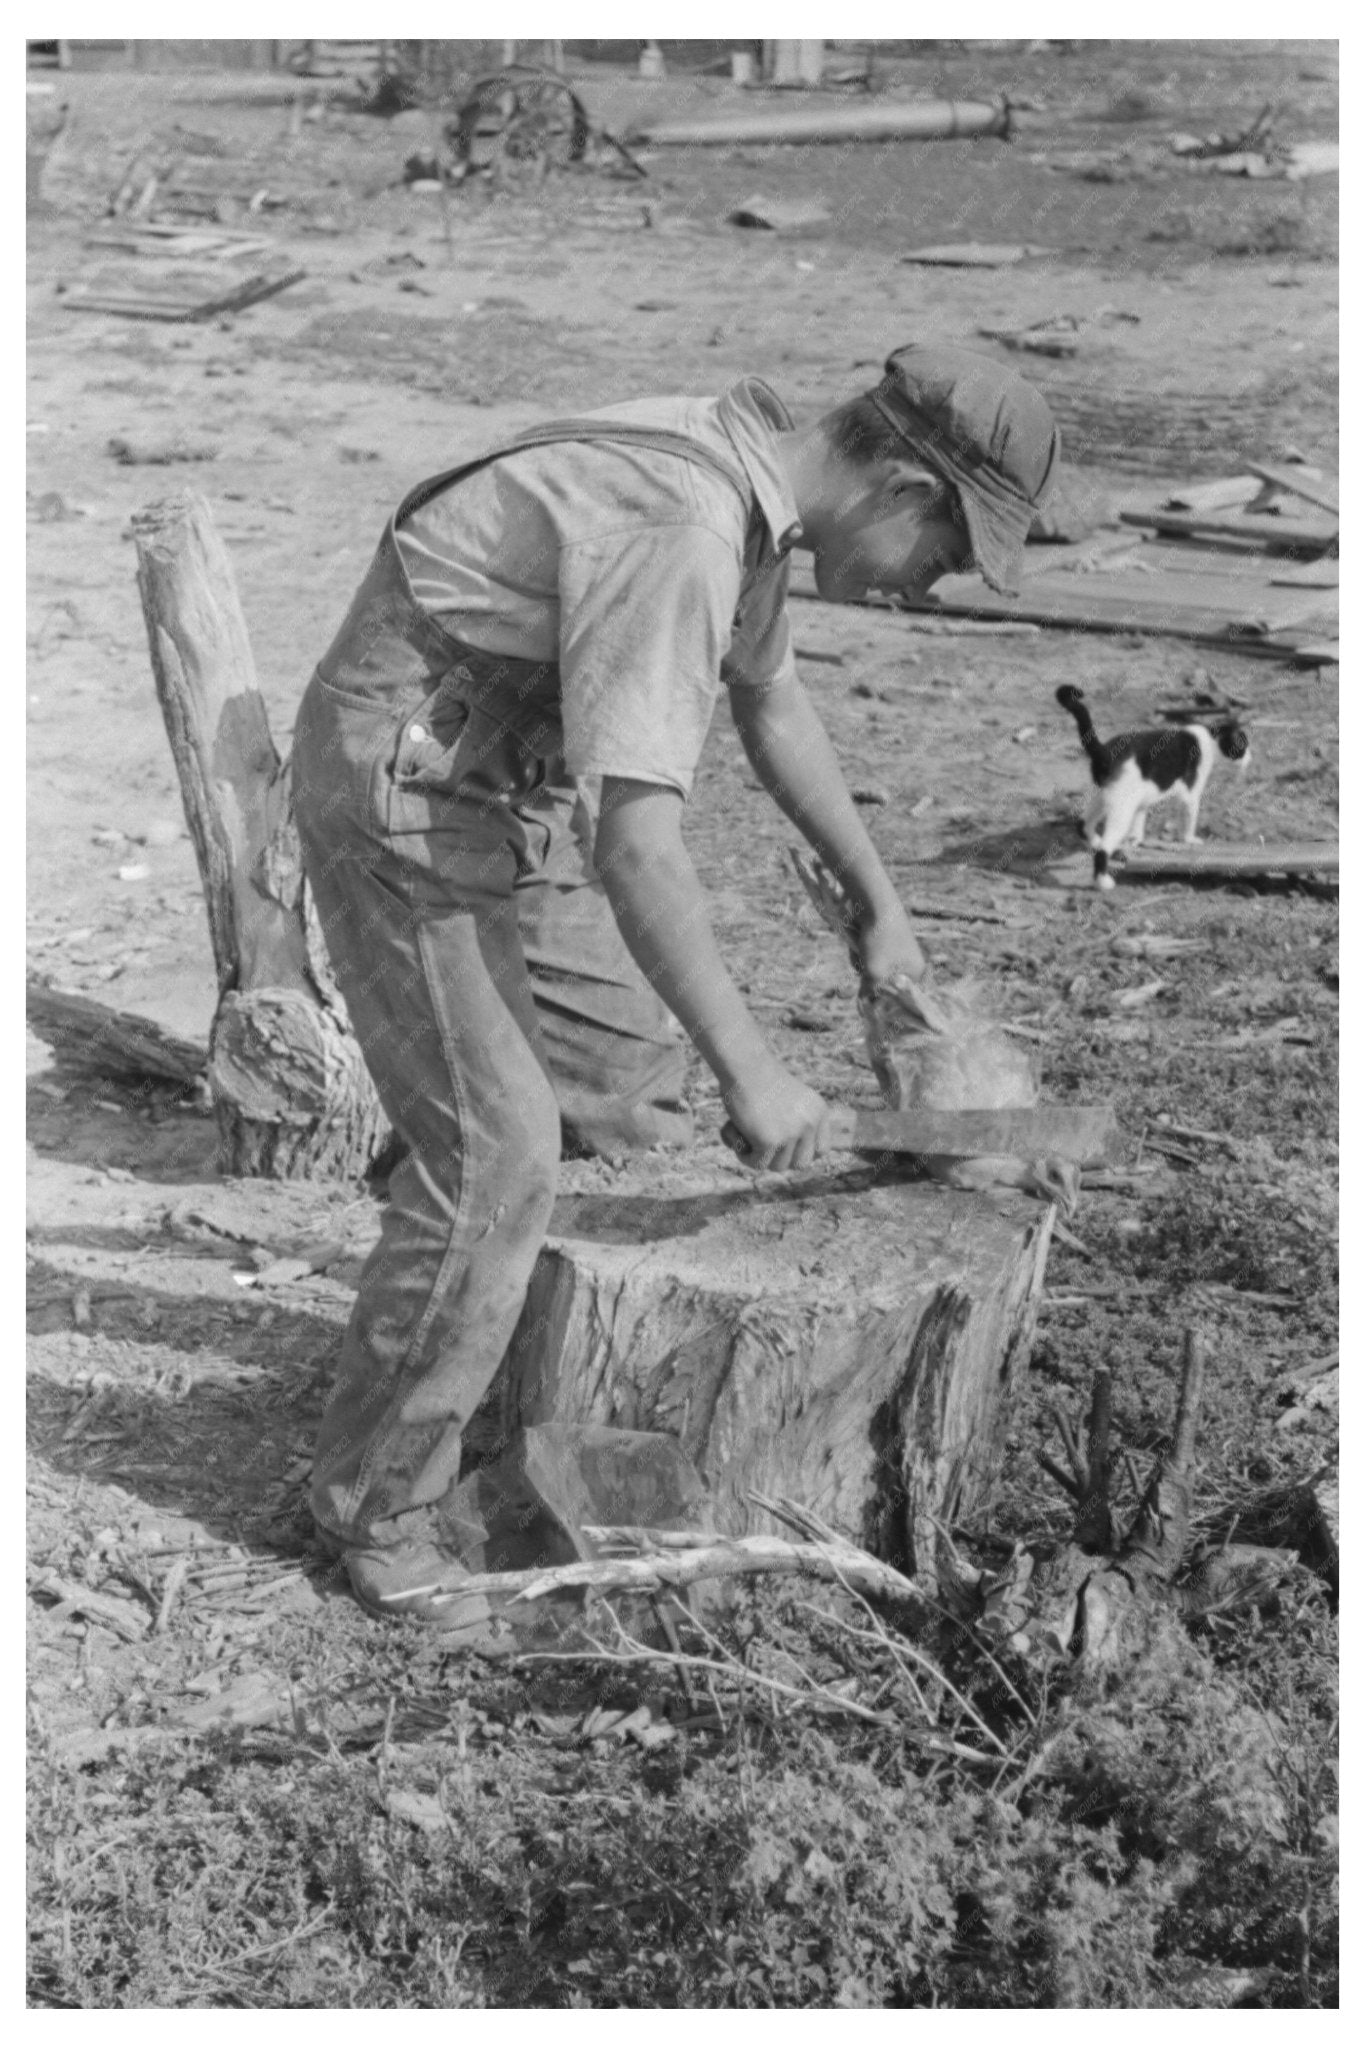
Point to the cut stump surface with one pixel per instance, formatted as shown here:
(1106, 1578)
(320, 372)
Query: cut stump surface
(848, 1339)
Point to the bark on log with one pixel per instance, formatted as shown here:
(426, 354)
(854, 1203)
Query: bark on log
(289, 1087)
(91, 1038)
(849, 1341)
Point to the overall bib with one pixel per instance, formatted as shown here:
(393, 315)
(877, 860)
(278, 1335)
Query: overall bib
(495, 1002)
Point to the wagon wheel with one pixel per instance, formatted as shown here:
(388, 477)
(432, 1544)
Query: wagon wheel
(520, 124)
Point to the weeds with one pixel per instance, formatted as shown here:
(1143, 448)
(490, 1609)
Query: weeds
(1171, 1845)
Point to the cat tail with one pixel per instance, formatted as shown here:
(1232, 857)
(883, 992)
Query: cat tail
(1071, 699)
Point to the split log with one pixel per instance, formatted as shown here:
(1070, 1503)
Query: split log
(290, 1090)
(91, 1038)
(850, 1340)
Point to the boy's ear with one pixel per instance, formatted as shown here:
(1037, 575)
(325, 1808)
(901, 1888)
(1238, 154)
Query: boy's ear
(904, 472)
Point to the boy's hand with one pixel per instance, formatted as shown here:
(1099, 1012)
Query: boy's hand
(887, 946)
(783, 1123)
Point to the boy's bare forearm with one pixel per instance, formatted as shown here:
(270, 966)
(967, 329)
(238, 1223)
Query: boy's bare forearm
(792, 756)
(660, 909)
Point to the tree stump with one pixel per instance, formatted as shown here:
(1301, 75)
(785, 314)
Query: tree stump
(289, 1087)
(847, 1340)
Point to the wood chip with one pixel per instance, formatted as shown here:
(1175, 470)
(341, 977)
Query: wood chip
(126, 1620)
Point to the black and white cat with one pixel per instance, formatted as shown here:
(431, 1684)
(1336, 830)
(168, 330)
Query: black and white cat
(1139, 769)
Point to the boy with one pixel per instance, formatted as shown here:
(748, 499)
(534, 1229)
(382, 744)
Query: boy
(513, 955)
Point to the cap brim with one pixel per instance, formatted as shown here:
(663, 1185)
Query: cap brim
(998, 533)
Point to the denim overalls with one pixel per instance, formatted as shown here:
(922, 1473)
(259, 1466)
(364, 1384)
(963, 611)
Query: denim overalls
(495, 1002)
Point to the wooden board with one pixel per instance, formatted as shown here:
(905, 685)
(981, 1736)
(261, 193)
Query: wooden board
(1270, 529)
(136, 302)
(1175, 862)
(1286, 477)
(1225, 596)
(1146, 606)
(168, 243)
(1324, 574)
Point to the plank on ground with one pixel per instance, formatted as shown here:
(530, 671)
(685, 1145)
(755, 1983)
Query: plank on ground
(1089, 606)
(1155, 862)
(1287, 477)
(1269, 528)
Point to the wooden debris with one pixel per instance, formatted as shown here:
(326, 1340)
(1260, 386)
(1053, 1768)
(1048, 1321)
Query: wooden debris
(1152, 946)
(90, 1038)
(168, 239)
(1174, 861)
(135, 304)
(1324, 574)
(1270, 529)
(1315, 653)
(126, 1620)
(1179, 590)
(160, 454)
(975, 255)
(170, 1593)
(662, 1566)
(1301, 482)
(1214, 496)
(290, 1089)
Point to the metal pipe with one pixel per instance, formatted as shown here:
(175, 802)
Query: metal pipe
(925, 120)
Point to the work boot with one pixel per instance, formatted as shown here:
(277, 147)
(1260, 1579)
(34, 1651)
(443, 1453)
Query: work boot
(413, 1580)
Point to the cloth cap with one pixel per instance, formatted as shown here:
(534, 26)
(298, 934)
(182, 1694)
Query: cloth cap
(984, 430)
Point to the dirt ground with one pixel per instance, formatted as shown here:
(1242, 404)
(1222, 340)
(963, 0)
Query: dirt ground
(176, 1377)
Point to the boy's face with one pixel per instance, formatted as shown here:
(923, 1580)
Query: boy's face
(898, 536)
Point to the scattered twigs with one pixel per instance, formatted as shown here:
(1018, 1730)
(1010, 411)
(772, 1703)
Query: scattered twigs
(812, 1696)
(170, 1593)
(1167, 1129)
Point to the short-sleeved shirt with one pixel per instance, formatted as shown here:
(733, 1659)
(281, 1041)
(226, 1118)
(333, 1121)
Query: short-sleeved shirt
(648, 578)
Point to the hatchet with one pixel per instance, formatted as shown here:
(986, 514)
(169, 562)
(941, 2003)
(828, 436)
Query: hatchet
(1084, 1137)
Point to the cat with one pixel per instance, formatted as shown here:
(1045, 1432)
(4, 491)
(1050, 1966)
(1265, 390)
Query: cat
(1139, 769)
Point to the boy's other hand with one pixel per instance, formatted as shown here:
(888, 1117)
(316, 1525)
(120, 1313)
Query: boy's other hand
(887, 946)
(783, 1123)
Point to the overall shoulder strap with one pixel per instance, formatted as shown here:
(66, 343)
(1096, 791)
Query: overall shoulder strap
(662, 439)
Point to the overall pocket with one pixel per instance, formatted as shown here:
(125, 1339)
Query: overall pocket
(450, 758)
(430, 742)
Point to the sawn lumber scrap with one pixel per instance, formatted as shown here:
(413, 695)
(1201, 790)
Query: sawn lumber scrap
(136, 305)
(1197, 602)
(1154, 862)
(1316, 490)
(1271, 528)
